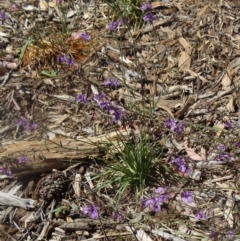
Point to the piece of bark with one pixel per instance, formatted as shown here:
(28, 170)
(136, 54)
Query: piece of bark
(7, 199)
(58, 153)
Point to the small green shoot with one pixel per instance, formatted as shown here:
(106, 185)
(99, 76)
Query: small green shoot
(49, 74)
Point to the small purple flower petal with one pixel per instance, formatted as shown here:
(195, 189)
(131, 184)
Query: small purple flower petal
(171, 123)
(149, 17)
(154, 203)
(92, 211)
(225, 157)
(187, 196)
(157, 207)
(119, 216)
(85, 36)
(26, 124)
(222, 147)
(180, 163)
(213, 233)
(6, 171)
(201, 215)
(161, 190)
(179, 128)
(23, 159)
(229, 125)
(113, 25)
(65, 59)
(112, 83)
(117, 112)
(189, 171)
(146, 7)
(3, 16)
(100, 97)
(82, 98)
(231, 234)
(149, 202)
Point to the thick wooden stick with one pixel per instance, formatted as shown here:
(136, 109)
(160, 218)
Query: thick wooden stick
(58, 153)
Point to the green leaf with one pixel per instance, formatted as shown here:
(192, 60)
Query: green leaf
(49, 74)
(23, 50)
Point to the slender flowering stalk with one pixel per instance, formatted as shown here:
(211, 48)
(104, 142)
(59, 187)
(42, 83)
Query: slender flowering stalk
(114, 109)
(187, 196)
(92, 211)
(85, 36)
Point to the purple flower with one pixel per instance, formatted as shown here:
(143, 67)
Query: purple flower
(119, 216)
(112, 83)
(117, 112)
(189, 171)
(100, 97)
(201, 215)
(65, 59)
(85, 36)
(153, 203)
(6, 171)
(229, 125)
(156, 202)
(231, 234)
(179, 128)
(213, 233)
(146, 7)
(222, 147)
(27, 124)
(225, 157)
(180, 163)
(113, 25)
(82, 98)
(3, 16)
(149, 17)
(171, 123)
(187, 196)
(114, 109)
(59, 1)
(92, 211)
(161, 190)
(23, 159)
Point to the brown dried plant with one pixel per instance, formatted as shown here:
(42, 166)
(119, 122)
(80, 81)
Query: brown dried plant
(46, 52)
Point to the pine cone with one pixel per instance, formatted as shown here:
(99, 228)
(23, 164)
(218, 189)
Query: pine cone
(51, 186)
